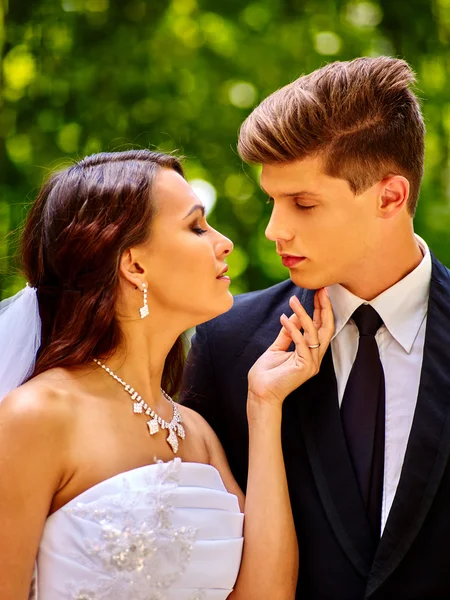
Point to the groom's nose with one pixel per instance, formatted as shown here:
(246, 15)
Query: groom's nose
(279, 227)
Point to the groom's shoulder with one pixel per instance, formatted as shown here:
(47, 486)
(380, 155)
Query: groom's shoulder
(439, 270)
(261, 300)
(256, 307)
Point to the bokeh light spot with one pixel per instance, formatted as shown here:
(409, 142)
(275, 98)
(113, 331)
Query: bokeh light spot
(97, 5)
(256, 16)
(19, 68)
(68, 138)
(364, 14)
(242, 94)
(239, 188)
(237, 261)
(327, 43)
(206, 193)
(19, 148)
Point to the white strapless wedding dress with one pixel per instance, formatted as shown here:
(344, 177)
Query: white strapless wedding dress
(166, 531)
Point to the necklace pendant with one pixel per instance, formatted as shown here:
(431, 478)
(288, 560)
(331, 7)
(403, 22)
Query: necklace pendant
(156, 423)
(180, 431)
(153, 426)
(172, 440)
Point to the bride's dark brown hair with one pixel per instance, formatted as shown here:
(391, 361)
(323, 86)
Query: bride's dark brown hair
(84, 218)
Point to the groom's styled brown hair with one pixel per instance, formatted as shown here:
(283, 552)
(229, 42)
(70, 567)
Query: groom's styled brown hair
(360, 116)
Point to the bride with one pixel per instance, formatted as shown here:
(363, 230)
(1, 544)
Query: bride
(108, 489)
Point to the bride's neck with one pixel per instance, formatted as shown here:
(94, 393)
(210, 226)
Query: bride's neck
(140, 357)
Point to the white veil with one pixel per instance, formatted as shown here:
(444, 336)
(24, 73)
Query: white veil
(20, 338)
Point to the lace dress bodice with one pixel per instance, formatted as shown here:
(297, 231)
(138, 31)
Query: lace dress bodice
(167, 531)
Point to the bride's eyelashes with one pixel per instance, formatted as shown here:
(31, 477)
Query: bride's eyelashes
(198, 230)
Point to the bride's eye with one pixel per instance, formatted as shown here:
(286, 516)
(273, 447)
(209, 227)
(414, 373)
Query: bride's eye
(198, 230)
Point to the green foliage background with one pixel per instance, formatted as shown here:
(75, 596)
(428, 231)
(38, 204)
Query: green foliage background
(80, 76)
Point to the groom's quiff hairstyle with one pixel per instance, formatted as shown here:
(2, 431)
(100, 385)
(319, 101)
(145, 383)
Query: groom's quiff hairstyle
(360, 116)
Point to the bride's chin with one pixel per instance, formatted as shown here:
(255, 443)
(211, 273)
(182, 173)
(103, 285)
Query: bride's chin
(219, 308)
(228, 303)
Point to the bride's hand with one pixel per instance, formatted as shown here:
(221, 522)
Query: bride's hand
(279, 372)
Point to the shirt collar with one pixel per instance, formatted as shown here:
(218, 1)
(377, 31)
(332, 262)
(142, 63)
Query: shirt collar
(402, 307)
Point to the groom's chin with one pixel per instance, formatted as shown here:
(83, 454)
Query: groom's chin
(309, 281)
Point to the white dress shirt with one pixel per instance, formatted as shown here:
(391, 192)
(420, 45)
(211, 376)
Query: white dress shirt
(403, 309)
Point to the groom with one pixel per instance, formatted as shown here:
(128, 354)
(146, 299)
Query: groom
(366, 441)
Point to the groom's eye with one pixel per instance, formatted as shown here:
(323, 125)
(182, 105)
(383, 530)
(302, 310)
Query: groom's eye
(302, 207)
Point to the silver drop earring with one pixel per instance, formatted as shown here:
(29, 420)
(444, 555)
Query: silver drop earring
(143, 311)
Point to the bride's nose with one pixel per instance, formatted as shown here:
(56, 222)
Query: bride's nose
(224, 246)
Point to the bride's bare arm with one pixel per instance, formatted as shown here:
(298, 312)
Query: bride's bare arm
(269, 565)
(270, 559)
(33, 436)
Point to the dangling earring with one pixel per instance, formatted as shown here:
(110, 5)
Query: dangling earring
(144, 312)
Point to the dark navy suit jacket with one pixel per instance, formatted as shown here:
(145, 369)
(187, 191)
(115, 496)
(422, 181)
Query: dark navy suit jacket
(413, 557)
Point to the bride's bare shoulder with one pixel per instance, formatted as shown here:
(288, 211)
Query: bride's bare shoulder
(194, 422)
(35, 439)
(46, 398)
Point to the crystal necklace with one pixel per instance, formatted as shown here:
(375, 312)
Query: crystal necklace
(156, 422)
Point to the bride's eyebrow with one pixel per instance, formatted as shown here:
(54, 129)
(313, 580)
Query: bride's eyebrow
(194, 208)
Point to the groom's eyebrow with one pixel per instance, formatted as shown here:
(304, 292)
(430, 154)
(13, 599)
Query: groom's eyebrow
(302, 194)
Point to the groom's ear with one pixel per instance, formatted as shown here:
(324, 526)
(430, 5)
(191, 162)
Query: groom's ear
(394, 194)
(130, 268)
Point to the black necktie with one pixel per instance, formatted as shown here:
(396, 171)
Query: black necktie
(362, 414)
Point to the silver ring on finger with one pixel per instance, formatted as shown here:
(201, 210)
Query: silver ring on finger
(314, 346)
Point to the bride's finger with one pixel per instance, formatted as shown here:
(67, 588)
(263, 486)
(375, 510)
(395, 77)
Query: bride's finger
(310, 332)
(284, 339)
(301, 347)
(317, 316)
(326, 329)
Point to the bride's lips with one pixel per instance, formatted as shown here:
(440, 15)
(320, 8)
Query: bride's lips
(222, 276)
(290, 261)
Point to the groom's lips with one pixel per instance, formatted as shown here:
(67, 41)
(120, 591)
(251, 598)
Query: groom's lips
(289, 260)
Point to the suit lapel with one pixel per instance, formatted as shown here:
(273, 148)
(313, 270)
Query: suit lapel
(429, 443)
(317, 408)
(333, 473)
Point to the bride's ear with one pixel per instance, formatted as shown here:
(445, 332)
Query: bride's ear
(131, 269)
